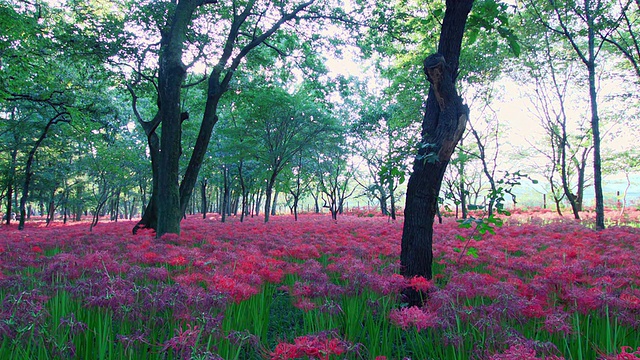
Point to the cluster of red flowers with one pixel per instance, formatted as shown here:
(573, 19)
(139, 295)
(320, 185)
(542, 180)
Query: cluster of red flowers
(319, 346)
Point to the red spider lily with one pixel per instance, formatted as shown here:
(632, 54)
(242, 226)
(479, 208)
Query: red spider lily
(420, 283)
(413, 316)
(631, 300)
(627, 354)
(239, 291)
(305, 304)
(315, 347)
(178, 261)
(150, 257)
(521, 352)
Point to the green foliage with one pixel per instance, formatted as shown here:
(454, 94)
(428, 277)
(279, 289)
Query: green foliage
(488, 224)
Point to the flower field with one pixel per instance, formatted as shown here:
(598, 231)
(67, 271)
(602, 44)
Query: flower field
(540, 288)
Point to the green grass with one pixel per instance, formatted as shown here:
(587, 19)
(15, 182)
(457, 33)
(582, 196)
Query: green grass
(258, 324)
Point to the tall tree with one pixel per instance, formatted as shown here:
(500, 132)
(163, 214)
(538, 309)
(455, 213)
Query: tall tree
(240, 28)
(579, 23)
(283, 126)
(442, 127)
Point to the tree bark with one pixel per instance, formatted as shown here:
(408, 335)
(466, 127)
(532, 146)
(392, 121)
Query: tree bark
(171, 74)
(243, 190)
(595, 119)
(268, 192)
(203, 197)
(11, 183)
(149, 217)
(442, 128)
(224, 209)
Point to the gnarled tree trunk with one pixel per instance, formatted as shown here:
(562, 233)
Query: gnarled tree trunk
(442, 128)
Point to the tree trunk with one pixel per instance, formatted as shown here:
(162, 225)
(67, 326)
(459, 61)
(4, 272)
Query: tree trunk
(149, 217)
(581, 167)
(11, 183)
(463, 190)
(595, 120)
(51, 210)
(442, 128)
(296, 201)
(392, 200)
(258, 201)
(268, 192)
(565, 180)
(597, 162)
(267, 202)
(203, 197)
(316, 205)
(225, 194)
(382, 198)
(9, 202)
(171, 74)
(274, 204)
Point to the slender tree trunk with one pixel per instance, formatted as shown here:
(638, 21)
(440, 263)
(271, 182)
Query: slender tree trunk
(595, 120)
(203, 197)
(243, 190)
(225, 194)
(268, 192)
(557, 201)
(597, 162)
(9, 202)
(581, 167)
(565, 181)
(11, 183)
(442, 128)
(274, 204)
(392, 199)
(383, 201)
(51, 210)
(258, 201)
(296, 200)
(316, 204)
(463, 196)
(623, 205)
(116, 203)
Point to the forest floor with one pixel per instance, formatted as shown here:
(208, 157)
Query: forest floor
(541, 287)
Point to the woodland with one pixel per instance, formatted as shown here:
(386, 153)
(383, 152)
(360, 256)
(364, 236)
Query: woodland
(251, 179)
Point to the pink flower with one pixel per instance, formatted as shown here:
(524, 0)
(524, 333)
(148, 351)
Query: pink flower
(626, 354)
(413, 316)
(305, 304)
(314, 346)
(178, 261)
(521, 352)
(420, 283)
